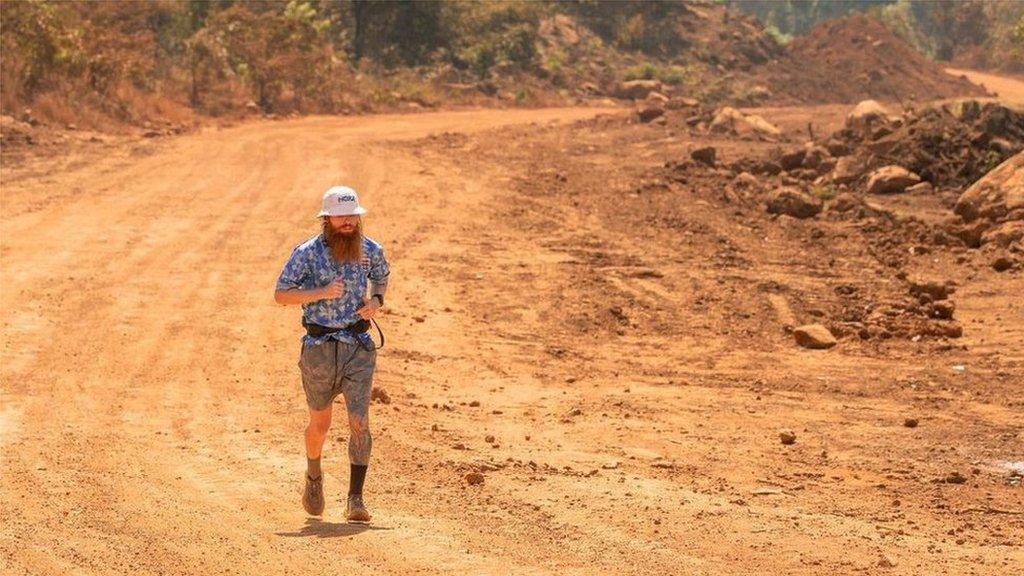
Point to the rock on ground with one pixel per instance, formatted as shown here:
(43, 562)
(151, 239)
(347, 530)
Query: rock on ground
(637, 89)
(731, 120)
(793, 202)
(866, 116)
(848, 169)
(996, 204)
(814, 336)
(704, 155)
(891, 180)
(787, 436)
(649, 111)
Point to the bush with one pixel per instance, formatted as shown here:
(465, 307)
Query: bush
(673, 75)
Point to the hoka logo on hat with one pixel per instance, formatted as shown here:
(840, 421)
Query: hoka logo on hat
(341, 201)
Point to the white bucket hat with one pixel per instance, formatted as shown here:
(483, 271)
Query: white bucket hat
(341, 201)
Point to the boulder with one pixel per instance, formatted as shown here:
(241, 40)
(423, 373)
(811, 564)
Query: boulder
(866, 117)
(891, 179)
(637, 89)
(678, 103)
(814, 156)
(996, 195)
(730, 120)
(649, 111)
(792, 160)
(837, 148)
(1002, 264)
(657, 97)
(848, 170)
(814, 336)
(1004, 234)
(932, 290)
(746, 180)
(826, 165)
(704, 155)
(844, 202)
(793, 202)
(920, 188)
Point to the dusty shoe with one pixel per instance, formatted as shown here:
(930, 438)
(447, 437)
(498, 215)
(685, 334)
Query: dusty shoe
(313, 497)
(356, 510)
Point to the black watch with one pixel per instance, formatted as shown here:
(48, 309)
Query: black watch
(379, 297)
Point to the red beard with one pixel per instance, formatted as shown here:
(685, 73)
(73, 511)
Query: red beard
(345, 246)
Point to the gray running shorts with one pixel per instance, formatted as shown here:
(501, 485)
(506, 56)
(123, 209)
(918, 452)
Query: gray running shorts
(333, 368)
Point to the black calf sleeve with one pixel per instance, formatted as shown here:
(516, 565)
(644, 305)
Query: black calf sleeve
(358, 475)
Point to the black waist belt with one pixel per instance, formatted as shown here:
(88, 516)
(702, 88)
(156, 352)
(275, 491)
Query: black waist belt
(355, 329)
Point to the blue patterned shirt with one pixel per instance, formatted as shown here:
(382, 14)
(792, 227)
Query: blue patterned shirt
(311, 266)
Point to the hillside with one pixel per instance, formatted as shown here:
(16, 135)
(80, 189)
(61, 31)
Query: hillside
(168, 64)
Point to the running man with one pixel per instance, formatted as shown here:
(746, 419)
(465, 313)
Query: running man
(339, 277)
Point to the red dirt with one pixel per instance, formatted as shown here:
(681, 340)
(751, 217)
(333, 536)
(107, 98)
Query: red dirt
(620, 336)
(857, 57)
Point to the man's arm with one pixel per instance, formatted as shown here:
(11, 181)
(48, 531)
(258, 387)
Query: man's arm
(378, 288)
(299, 296)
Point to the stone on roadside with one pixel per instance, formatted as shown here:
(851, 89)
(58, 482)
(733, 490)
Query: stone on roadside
(866, 117)
(649, 111)
(678, 103)
(637, 89)
(931, 289)
(996, 195)
(704, 155)
(793, 202)
(787, 436)
(848, 169)
(891, 180)
(792, 160)
(814, 336)
(746, 179)
(845, 202)
(943, 309)
(955, 478)
(1002, 264)
(1004, 234)
(730, 120)
(920, 188)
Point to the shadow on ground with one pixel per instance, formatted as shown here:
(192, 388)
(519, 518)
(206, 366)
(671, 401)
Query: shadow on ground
(321, 529)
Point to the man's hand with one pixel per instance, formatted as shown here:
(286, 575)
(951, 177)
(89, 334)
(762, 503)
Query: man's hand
(333, 290)
(369, 309)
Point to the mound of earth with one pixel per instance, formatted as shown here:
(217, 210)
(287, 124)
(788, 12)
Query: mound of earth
(857, 57)
(952, 145)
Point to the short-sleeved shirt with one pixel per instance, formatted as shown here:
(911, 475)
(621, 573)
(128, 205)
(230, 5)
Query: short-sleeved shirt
(312, 266)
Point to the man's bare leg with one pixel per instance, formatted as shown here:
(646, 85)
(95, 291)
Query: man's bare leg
(316, 433)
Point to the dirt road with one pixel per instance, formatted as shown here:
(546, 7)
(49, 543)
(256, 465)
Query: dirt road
(1007, 88)
(152, 414)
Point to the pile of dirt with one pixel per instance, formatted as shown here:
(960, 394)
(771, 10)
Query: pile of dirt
(952, 145)
(857, 57)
